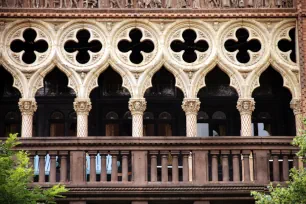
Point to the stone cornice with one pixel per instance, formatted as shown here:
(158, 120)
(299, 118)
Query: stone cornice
(152, 13)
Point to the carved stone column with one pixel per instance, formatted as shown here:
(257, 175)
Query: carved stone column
(296, 106)
(191, 108)
(137, 107)
(82, 108)
(27, 108)
(246, 107)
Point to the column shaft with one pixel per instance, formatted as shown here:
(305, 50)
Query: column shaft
(191, 108)
(82, 108)
(246, 106)
(137, 107)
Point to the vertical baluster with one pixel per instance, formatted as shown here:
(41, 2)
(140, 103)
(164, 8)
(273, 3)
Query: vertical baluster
(125, 166)
(285, 154)
(42, 159)
(114, 176)
(164, 165)
(185, 166)
(214, 164)
(63, 170)
(295, 159)
(32, 155)
(246, 166)
(103, 174)
(225, 166)
(52, 172)
(236, 168)
(93, 175)
(153, 165)
(175, 170)
(275, 156)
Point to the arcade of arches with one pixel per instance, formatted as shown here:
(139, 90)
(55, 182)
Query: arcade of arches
(111, 110)
(139, 81)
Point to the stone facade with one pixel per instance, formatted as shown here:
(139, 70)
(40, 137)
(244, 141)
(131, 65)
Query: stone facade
(190, 76)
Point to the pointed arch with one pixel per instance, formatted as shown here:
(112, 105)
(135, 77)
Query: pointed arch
(145, 80)
(91, 79)
(290, 79)
(236, 80)
(37, 80)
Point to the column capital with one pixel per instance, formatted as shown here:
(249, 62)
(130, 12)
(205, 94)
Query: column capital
(246, 105)
(191, 105)
(137, 106)
(296, 106)
(27, 106)
(82, 106)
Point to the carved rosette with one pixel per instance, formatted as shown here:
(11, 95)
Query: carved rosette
(15, 32)
(27, 106)
(203, 32)
(82, 106)
(69, 34)
(281, 32)
(246, 106)
(137, 106)
(256, 33)
(150, 59)
(191, 106)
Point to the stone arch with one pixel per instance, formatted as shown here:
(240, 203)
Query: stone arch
(199, 80)
(290, 81)
(19, 80)
(91, 79)
(145, 81)
(37, 80)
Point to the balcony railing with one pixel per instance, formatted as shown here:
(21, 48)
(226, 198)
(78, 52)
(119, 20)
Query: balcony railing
(98, 162)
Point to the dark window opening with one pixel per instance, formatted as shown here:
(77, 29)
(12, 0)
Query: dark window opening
(272, 114)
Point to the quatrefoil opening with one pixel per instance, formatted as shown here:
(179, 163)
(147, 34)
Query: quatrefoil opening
(189, 46)
(243, 45)
(286, 45)
(82, 46)
(29, 45)
(136, 46)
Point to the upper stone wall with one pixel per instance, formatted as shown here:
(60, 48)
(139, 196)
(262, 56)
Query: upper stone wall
(173, 5)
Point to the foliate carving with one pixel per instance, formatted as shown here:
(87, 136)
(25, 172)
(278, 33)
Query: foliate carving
(246, 106)
(191, 106)
(137, 106)
(296, 106)
(82, 106)
(27, 106)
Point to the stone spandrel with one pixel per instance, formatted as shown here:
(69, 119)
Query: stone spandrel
(147, 4)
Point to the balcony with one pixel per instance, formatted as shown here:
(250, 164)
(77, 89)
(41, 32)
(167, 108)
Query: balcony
(215, 167)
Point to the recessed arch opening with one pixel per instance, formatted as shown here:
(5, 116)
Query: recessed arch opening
(219, 115)
(272, 115)
(164, 98)
(9, 110)
(110, 98)
(54, 99)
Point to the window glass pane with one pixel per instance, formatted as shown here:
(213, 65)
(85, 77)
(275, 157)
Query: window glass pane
(164, 130)
(148, 130)
(203, 129)
(57, 129)
(264, 129)
(112, 130)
